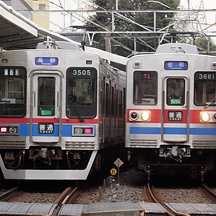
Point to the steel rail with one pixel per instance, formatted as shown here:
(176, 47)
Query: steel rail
(72, 196)
(170, 212)
(208, 191)
(62, 196)
(10, 194)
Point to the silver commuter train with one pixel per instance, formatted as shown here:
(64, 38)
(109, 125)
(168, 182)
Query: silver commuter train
(61, 111)
(171, 110)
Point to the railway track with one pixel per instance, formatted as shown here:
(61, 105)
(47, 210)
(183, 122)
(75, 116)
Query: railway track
(67, 196)
(151, 195)
(9, 194)
(208, 192)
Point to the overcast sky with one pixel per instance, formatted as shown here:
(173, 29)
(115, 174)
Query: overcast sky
(208, 4)
(65, 21)
(210, 16)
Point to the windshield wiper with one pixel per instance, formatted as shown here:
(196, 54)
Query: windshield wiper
(205, 107)
(77, 111)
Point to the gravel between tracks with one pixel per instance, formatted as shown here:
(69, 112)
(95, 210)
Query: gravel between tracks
(131, 188)
(29, 197)
(185, 195)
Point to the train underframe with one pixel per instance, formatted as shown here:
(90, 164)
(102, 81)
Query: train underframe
(174, 160)
(21, 164)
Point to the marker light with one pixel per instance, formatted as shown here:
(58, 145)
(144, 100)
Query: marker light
(134, 116)
(205, 117)
(146, 115)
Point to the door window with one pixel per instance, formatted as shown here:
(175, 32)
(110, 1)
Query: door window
(175, 91)
(46, 96)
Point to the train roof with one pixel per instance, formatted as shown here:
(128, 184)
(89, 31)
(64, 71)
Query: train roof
(177, 48)
(60, 45)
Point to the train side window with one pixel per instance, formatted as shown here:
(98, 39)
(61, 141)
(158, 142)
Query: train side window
(107, 99)
(120, 104)
(205, 88)
(113, 101)
(12, 92)
(117, 103)
(175, 91)
(124, 101)
(145, 88)
(46, 96)
(103, 96)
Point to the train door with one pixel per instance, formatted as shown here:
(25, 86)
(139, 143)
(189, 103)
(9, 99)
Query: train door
(46, 108)
(175, 109)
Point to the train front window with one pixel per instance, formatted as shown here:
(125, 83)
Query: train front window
(145, 88)
(12, 92)
(205, 88)
(175, 91)
(81, 92)
(46, 96)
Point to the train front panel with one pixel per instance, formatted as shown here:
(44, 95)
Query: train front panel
(48, 114)
(171, 111)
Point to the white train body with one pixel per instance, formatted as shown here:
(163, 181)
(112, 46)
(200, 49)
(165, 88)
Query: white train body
(53, 119)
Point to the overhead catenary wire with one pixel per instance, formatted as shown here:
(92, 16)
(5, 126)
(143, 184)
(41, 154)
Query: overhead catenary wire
(96, 24)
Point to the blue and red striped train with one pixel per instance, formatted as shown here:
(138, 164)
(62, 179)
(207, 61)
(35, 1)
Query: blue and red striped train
(61, 112)
(171, 110)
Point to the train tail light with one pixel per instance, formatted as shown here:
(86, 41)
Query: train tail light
(204, 116)
(3, 129)
(146, 116)
(83, 131)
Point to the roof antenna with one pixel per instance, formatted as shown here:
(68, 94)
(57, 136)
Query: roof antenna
(50, 43)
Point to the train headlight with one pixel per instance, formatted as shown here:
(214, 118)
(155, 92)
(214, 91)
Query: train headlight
(146, 115)
(134, 116)
(205, 117)
(78, 131)
(214, 117)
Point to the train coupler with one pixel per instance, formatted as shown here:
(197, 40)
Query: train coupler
(174, 152)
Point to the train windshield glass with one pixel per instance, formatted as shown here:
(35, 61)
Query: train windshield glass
(46, 96)
(12, 92)
(145, 87)
(81, 92)
(205, 88)
(175, 91)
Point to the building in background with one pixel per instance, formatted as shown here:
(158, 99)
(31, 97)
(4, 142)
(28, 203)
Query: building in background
(20, 5)
(27, 8)
(40, 18)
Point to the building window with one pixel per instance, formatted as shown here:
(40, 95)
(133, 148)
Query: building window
(42, 7)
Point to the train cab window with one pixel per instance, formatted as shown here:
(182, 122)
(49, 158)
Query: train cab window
(175, 91)
(205, 88)
(46, 96)
(81, 92)
(12, 92)
(145, 88)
